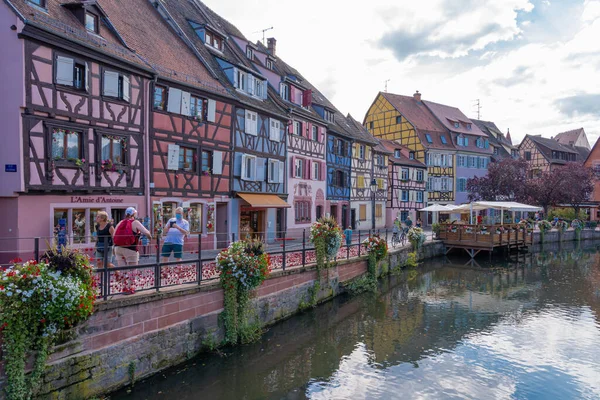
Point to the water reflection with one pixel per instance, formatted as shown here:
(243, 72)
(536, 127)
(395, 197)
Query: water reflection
(527, 327)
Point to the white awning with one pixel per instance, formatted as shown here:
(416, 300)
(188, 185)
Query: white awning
(498, 205)
(436, 208)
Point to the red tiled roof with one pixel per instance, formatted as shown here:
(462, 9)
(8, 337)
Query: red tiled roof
(404, 159)
(569, 137)
(445, 114)
(422, 119)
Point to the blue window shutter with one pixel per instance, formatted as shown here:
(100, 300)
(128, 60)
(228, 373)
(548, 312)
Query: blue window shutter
(237, 165)
(260, 169)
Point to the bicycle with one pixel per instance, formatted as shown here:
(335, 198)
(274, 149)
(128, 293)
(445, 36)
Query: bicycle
(398, 239)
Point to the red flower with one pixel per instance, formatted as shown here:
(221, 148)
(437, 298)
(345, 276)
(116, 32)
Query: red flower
(43, 320)
(16, 260)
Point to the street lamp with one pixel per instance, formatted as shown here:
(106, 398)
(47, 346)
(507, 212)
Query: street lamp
(373, 191)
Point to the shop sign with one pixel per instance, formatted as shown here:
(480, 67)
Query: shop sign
(99, 199)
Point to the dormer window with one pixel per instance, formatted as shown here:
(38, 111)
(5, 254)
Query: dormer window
(284, 91)
(329, 116)
(39, 3)
(469, 127)
(397, 153)
(457, 125)
(269, 64)
(213, 40)
(91, 22)
(411, 155)
(443, 139)
(249, 52)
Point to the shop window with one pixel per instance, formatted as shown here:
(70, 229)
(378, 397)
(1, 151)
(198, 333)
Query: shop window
(194, 217)
(66, 145)
(78, 224)
(113, 149)
(187, 159)
(160, 98)
(168, 212)
(61, 222)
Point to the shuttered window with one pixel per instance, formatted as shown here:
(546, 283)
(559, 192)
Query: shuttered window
(360, 182)
(251, 123)
(116, 85)
(274, 130)
(362, 212)
(71, 72)
(378, 211)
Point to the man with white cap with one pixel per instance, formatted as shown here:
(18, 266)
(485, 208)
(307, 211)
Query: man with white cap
(126, 236)
(177, 229)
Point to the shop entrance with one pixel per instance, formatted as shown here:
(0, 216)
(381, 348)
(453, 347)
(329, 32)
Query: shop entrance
(252, 224)
(221, 225)
(345, 216)
(334, 212)
(117, 214)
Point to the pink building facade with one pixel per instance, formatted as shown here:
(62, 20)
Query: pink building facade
(75, 122)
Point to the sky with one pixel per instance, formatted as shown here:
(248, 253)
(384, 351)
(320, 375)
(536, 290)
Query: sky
(532, 64)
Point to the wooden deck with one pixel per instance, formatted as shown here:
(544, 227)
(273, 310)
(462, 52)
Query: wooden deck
(477, 238)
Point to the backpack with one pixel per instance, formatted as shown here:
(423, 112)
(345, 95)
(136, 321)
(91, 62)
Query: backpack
(124, 234)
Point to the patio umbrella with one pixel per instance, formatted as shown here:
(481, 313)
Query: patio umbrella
(437, 208)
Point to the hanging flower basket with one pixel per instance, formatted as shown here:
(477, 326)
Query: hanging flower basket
(327, 236)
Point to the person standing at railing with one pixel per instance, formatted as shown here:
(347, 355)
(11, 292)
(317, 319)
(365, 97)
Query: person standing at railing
(348, 235)
(177, 229)
(126, 237)
(104, 233)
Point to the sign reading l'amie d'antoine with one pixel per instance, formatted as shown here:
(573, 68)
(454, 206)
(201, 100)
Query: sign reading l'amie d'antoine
(99, 199)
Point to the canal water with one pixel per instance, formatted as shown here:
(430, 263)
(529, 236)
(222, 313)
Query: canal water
(527, 327)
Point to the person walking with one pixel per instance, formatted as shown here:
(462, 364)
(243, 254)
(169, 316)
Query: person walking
(177, 229)
(348, 235)
(104, 233)
(408, 222)
(126, 237)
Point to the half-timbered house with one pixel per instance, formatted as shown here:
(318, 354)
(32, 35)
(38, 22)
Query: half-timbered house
(408, 120)
(189, 125)
(258, 175)
(407, 179)
(472, 147)
(78, 145)
(306, 132)
(500, 144)
(543, 154)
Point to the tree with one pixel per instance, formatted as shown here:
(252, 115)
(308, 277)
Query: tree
(544, 190)
(577, 184)
(504, 181)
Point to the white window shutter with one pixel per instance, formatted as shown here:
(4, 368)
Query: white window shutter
(243, 174)
(250, 88)
(265, 89)
(87, 73)
(212, 106)
(274, 130)
(217, 168)
(281, 170)
(111, 84)
(126, 86)
(186, 98)
(64, 71)
(248, 122)
(174, 101)
(235, 78)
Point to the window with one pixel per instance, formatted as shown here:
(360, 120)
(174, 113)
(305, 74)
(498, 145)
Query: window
(275, 171)
(378, 211)
(397, 153)
(302, 211)
(249, 52)
(251, 123)
(361, 151)
(339, 179)
(479, 143)
(411, 155)
(284, 91)
(316, 171)
(360, 181)
(469, 127)
(66, 145)
(113, 149)
(528, 155)
(461, 184)
(405, 173)
(269, 64)
(419, 196)
(41, 3)
(248, 167)
(116, 85)
(187, 159)
(315, 133)
(371, 125)
(486, 144)
(197, 107)
(299, 168)
(419, 175)
(240, 79)
(461, 161)
(78, 224)
(160, 98)
(275, 130)
(403, 215)
(456, 125)
(460, 140)
(194, 217)
(297, 130)
(399, 119)
(404, 195)
(91, 22)
(362, 212)
(329, 116)
(443, 139)
(70, 72)
(472, 161)
(206, 161)
(213, 40)
(495, 150)
(428, 137)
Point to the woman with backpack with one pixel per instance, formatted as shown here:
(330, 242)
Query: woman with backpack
(126, 237)
(104, 233)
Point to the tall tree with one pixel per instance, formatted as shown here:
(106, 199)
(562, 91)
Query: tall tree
(504, 181)
(544, 190)
(577, 184)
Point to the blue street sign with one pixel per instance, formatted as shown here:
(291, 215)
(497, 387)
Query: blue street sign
(10, 167)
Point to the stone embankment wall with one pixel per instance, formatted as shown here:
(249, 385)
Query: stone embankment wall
(136, 336)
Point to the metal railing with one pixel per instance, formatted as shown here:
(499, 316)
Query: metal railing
(197, 265)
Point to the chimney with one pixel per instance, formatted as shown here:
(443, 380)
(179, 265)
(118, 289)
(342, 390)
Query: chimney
(271, 45)
(417, 96)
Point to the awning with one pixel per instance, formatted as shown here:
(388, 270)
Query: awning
(264, 200)
(498, 205)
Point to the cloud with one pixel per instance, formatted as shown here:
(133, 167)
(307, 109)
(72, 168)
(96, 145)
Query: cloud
(582, 104)
(520, 75)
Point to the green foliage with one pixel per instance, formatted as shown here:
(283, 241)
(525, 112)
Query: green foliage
(327, 237)
(416, 237)
(412, 260)
(131, 371)
(313, 292)
(38, 302)
(567, 213)
(244, 265)
(436, 229)
(362, 284)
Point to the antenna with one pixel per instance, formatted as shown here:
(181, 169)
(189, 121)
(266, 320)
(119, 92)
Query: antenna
(386, 82)
(478, 107)
(263, 33)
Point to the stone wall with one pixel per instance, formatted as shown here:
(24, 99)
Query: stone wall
(132, 337)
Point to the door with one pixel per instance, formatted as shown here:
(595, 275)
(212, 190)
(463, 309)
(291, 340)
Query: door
(279, 223)
(117, 214)
(319, 212)
(344, 216)
(334, 213)
(221, 225)
(353, 218)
